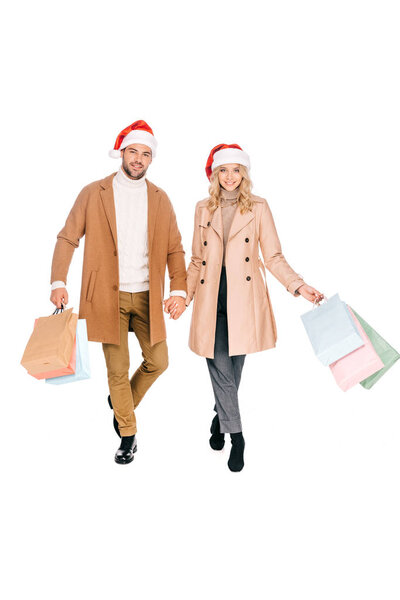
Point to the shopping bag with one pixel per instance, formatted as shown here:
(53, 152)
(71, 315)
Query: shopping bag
(51, 342)
(359, 364)
(384, 350)
(82, 370)
(331, 330)
(70, 368)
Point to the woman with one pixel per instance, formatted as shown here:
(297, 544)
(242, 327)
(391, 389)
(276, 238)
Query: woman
(232, 314)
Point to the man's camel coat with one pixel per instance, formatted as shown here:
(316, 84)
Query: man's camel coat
(93, 216)
(251, 322)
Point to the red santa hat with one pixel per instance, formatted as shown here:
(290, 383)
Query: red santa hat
(224, 154)
(137, 133)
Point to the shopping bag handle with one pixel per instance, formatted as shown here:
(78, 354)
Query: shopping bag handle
(317, 302)
(59, 309)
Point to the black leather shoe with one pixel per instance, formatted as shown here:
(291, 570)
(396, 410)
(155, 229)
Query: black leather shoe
(115, 422)
(126, 451)
(217, 440)
(236, 462)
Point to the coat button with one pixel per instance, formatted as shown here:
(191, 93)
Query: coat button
(115, 287)
(248, 278)
(204, 262)
(247, 240)
(201, 280)
(247, 259)
(115, 253)
(205, 243)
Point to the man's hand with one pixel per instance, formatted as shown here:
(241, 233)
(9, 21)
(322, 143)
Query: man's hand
(310, 293)
(175, 306)
(58, 296)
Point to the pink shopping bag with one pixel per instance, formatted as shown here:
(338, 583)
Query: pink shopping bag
(68, 370)
(359, 364)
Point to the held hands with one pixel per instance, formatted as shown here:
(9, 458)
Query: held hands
(174, 306)
(310, 293)
(58, 296)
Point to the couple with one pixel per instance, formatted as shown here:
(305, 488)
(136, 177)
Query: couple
(131, 236)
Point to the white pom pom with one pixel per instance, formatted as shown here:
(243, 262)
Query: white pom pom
(114, 154)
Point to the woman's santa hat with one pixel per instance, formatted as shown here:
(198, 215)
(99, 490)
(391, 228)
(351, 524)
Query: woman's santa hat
(137, 133)
(225, 154)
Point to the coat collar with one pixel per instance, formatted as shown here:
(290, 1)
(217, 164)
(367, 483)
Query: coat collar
(107, 198)
(240, 221)
(153, 202)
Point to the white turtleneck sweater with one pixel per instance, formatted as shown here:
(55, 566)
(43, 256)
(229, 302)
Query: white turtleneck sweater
(130, 199)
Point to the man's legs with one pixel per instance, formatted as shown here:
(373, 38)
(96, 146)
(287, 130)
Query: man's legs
(155, 358)
(117, 361)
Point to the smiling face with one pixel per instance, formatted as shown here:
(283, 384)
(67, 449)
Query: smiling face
(136, 159)
(229, 177)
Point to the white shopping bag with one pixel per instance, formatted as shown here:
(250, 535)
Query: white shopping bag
(331, 330)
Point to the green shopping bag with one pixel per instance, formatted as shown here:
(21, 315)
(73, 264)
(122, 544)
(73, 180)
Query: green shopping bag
(384, 350)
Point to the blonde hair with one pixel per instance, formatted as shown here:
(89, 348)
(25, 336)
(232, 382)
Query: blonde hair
(245, 200)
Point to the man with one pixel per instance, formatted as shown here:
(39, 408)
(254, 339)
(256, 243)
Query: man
(131, 235)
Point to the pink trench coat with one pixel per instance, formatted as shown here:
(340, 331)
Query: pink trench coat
(251, 321)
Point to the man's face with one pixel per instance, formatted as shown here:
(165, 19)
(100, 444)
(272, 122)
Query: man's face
(136, 159)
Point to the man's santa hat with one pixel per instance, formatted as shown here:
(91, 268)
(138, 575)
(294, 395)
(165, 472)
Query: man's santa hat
(137, 133)
(225, 154)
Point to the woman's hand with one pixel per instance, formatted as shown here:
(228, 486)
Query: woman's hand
(175, 306)
(310, 293)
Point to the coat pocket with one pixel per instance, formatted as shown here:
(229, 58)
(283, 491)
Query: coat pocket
(262, 271)
(264, 279)
(90, 288)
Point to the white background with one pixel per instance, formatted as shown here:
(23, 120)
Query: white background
(311, 91)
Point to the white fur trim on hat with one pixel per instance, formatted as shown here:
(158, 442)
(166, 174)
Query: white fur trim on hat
(137, 136)
(228, 156)
(114, 153)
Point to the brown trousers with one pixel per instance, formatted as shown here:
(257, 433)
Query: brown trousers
(126, 394)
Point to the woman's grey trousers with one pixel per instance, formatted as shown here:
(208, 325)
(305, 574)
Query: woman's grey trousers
(225, 371)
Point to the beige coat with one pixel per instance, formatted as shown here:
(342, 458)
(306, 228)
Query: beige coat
(93, 216)
(251, 322)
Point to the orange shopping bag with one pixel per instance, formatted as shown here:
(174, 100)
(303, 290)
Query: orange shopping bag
(68, 370)
(51, 344)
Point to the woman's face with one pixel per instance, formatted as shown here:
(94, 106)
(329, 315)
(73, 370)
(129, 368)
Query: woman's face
(229, 177)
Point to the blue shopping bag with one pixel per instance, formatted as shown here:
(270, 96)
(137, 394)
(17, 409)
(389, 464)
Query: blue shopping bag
(82, 370)
(331, 330)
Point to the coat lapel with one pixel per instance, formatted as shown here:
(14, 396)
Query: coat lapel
(240, 221)
(153, 201)
(216, 222)
(107, 198)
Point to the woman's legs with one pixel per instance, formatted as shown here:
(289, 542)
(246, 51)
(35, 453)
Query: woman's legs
(225, 371)
(225, 376)
(238, 362)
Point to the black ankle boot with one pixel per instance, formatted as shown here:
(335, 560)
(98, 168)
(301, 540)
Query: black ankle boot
(126, 451)
(115, 422)
(236, 462)
(217, 440)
